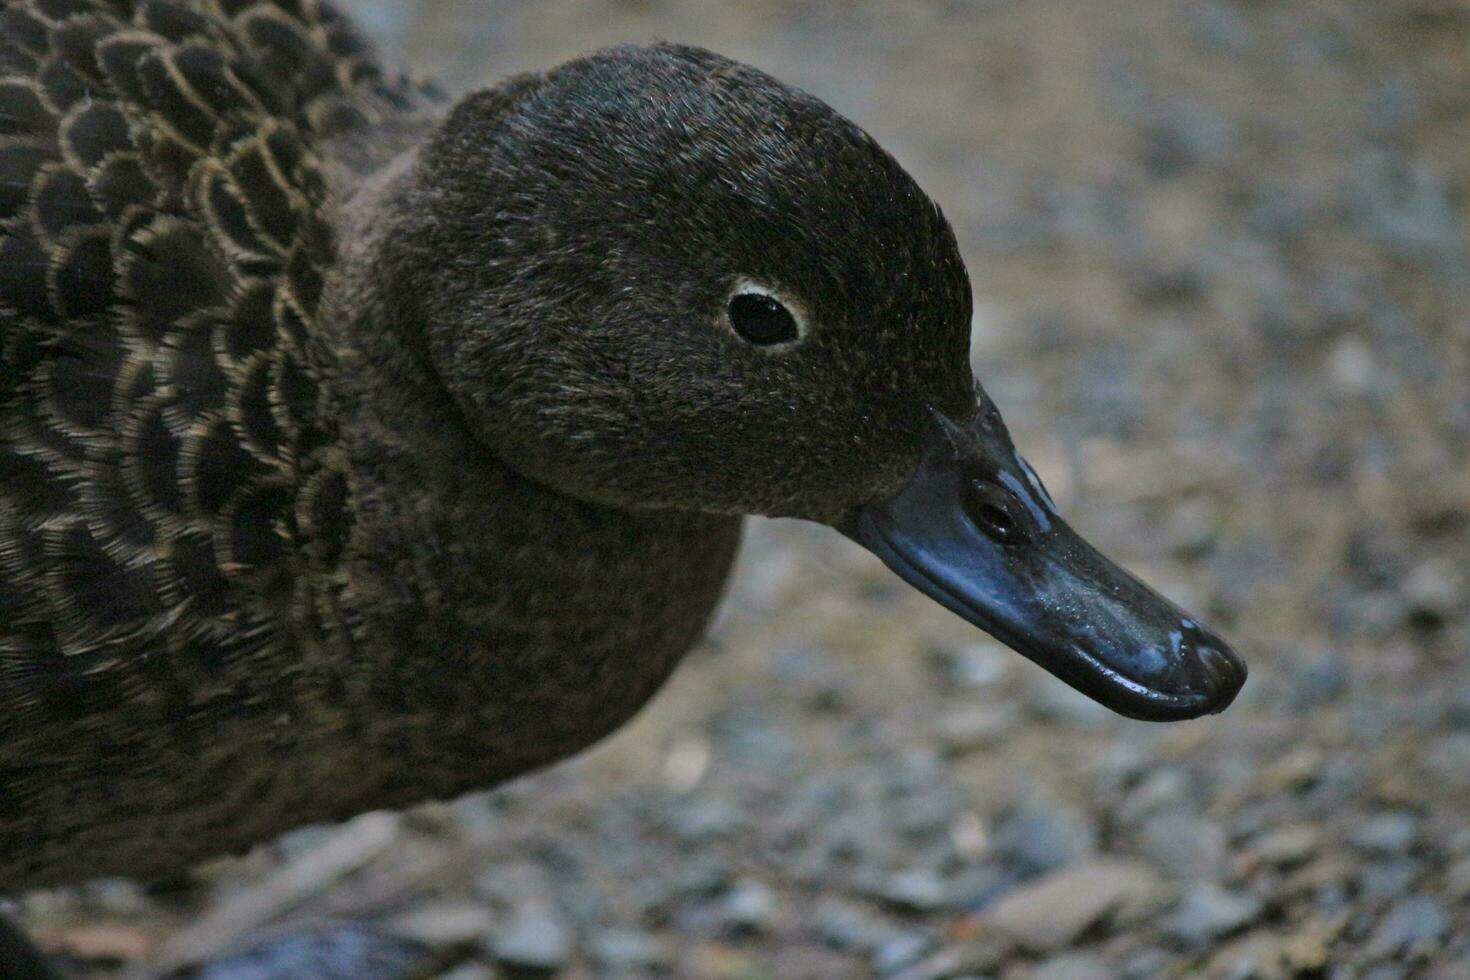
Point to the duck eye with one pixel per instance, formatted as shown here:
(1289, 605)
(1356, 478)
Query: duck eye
(761, 319)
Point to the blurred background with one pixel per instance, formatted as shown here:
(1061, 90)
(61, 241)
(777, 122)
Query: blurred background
(1221, 254)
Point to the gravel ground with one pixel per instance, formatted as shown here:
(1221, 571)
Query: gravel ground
(1222, 255)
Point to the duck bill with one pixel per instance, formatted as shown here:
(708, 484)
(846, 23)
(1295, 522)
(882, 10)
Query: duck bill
(975, 530)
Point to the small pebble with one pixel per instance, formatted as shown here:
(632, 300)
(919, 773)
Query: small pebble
(348, 952)
(1416, 924)
(1389, 877)
(1051, 912)
(1159, 790)
(848, 926)
(977, 726)
(747, 906)
(914, 890)
(902, 950)
(1208, 912)
(1036, 837)
(624, 949)
(1075, 966)
(1389, 834)
(468, 971)
(1184, 846)
(537, 940)
(443, 923)
(979, 665)
(1288, 847)
(1457, 880)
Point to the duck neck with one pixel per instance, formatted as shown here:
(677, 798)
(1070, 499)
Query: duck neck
(491, 598)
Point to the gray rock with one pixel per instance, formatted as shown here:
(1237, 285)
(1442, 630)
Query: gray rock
(1390, 877)
(977, 726)
(1320, 680)
(1053, 911)
(1457, 880)
(348, 952)
(1037, 838)
(1159, 790)
(1448, 759)
(1386, 971)
(1220, 25)
(1146, 964)
(1187, 134)
(915, 890)
(536, 940)
(1287, 847)
(813, 675)
(847, 926)
(902, 950)
(1184, 846)
(979, 884)
(979, 665)
(625, 949)
(1390, 834)
(468, 971)
(702, 818)
(1406, 208)
(1416, 924)
(443, 923)
(747, 906)
(964, 960)
(1208, 912)
(1075, 966)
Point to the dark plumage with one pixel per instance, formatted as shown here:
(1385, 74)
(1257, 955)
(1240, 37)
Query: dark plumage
(357, 449)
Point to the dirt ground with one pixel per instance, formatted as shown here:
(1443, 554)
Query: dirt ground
(1221, 252)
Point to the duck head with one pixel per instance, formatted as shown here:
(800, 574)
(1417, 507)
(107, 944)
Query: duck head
(654, 278)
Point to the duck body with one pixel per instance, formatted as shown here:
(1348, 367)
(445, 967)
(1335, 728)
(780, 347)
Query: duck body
(228, 606)
(358, 448)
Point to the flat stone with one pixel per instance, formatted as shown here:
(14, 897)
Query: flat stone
(977, 726)
(625, 949)
(848, 926)
(1160, 790)
(1074, 966)
(468, 971)
(1253, 957)
(1184, 846)
(748, 905)
(1389, 834)
(1051, 912)
(1287, 847)
(1457, 880)
(916, 890)
(904, 949)
(1308, 950)
(335, 953)
(978, 665)
(1037, 838)
(537, 940)
(970, 959)
(1415, 924)
(443, 923)
(1208, 912)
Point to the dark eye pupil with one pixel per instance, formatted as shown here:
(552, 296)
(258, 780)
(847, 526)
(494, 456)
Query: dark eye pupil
(761, 320)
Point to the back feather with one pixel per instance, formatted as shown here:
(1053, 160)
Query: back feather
(167, 462)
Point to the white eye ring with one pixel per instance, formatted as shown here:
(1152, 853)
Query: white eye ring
(764, 318)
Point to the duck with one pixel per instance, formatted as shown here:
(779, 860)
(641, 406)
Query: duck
(360, 445)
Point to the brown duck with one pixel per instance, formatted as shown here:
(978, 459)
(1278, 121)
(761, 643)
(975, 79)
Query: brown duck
(357, 447)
